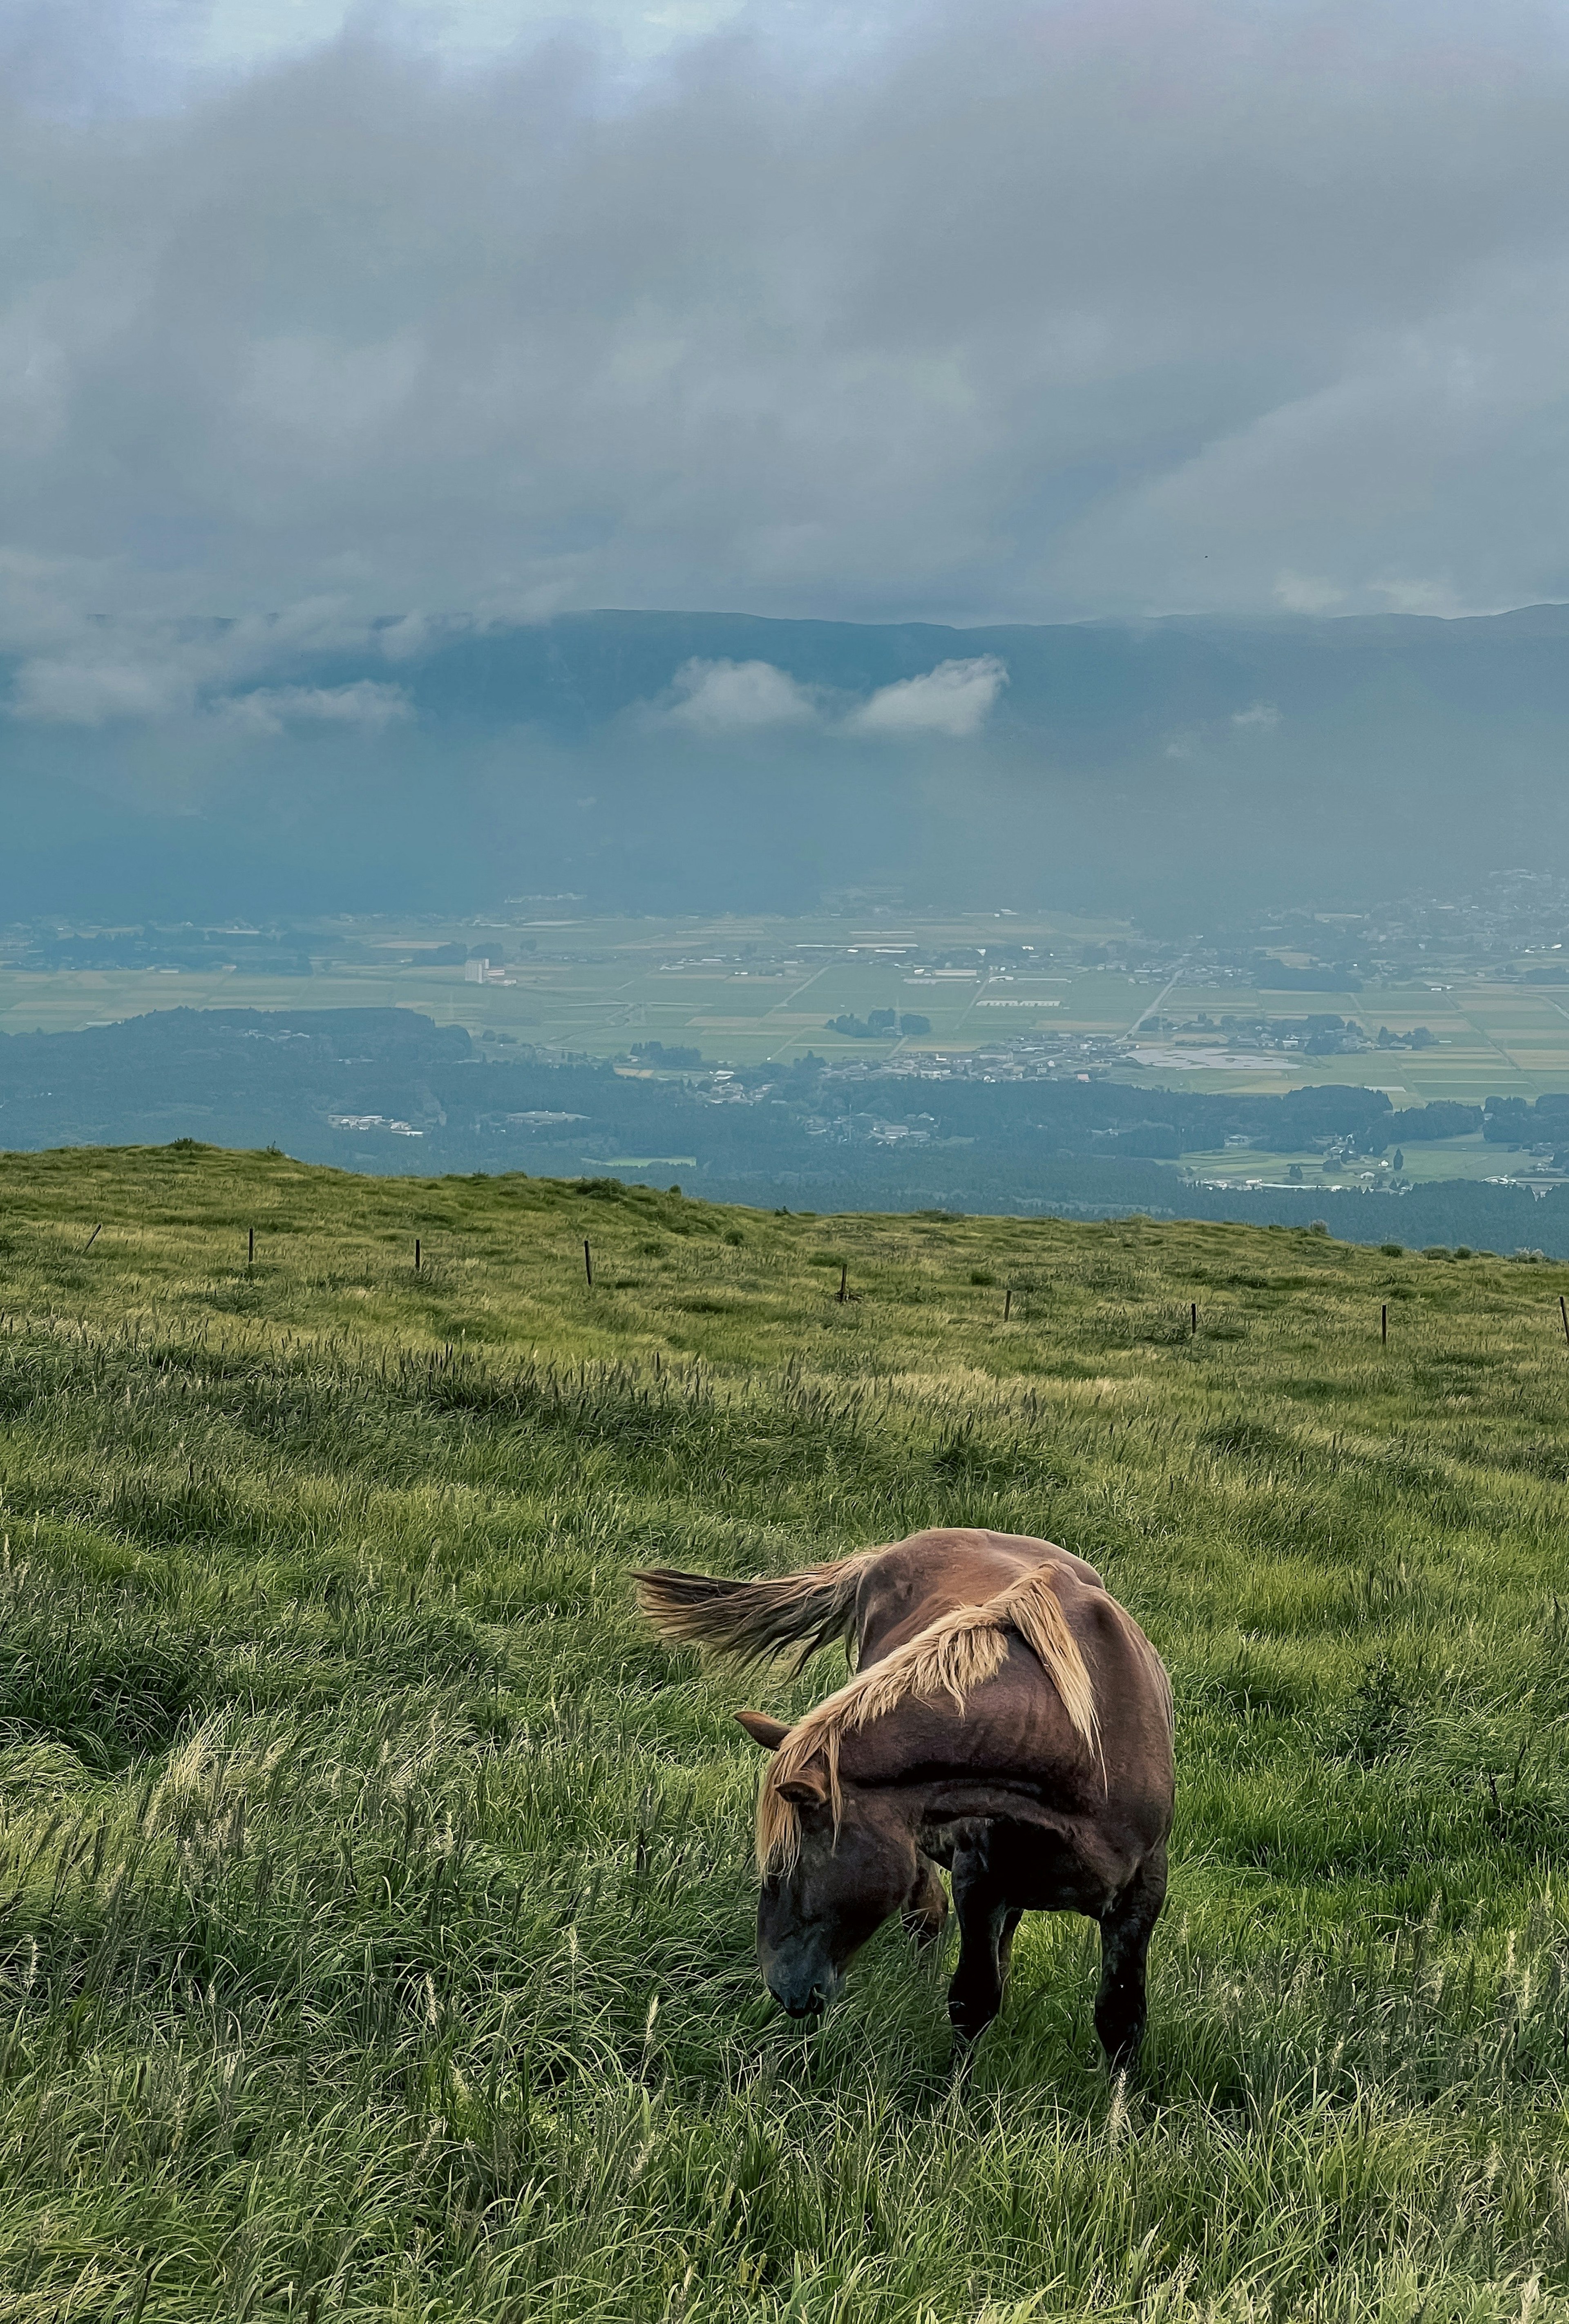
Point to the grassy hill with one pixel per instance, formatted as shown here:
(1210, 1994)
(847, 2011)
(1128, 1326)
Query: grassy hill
(375, 1902)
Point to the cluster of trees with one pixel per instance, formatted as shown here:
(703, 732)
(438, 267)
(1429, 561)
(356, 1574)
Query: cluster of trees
(1268, 974)
(387, 1089)
(270, 952)
(1515, 1122)
(880, 1024)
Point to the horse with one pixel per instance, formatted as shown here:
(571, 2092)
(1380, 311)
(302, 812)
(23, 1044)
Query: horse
(1007, 1719)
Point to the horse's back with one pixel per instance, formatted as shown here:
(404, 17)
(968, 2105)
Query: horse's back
(1019, 1720)
(917, 1580)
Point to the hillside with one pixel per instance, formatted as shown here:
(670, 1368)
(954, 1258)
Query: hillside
(388, 1089)
(377, 1897)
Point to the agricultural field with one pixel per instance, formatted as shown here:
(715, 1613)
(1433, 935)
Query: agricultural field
(750, 992)
(376, 1896)
(1490, 1039)
(743, 989)
(1440, 1158)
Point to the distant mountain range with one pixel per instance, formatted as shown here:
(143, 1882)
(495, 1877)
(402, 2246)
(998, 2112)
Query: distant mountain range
(664, 761)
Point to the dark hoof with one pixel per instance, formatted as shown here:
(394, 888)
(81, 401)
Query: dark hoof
(969, 2025)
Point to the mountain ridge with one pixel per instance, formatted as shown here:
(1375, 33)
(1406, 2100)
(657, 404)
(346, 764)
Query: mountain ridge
(670, 760)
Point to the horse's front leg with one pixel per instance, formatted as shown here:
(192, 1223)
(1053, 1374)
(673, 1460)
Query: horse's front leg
(925, 1911)
(986, 1926)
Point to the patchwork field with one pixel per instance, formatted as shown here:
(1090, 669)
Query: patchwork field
(597, 985)
(375, 1896)
(1469, 1157)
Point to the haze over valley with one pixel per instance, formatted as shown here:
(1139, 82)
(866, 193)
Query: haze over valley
(1186, 771)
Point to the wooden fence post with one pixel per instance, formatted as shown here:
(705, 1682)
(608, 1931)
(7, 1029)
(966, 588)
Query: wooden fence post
(843, 1282)
(1007, 1302)
(1564, 1313)
(415, 1254)
(251, 1248)
(1193, 1313)
(588, 1262)
(1384, 1325)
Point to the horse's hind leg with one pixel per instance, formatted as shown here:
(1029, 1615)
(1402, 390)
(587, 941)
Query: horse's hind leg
(925, 1911)
(1121, 2009)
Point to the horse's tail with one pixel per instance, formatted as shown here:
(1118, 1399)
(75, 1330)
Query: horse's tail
(752, 1620)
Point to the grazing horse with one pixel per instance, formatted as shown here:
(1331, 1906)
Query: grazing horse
(1008, 1719)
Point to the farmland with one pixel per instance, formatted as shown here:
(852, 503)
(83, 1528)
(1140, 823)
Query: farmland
(376, 1893)
(749, 992)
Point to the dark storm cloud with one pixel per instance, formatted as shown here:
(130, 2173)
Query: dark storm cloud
(1027, 312)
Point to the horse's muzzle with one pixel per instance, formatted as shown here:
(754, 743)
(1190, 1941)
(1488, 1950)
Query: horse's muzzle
(805, 1995)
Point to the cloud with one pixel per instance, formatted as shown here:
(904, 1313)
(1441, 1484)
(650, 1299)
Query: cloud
(96, 692)
(1299, 592)
(75, 667)
(736, 697)
(726, 699)
(268, 710)
(954, 699)
(1262, 716)
(970, 312)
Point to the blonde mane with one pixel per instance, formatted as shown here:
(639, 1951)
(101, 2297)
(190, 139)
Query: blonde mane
(955, 1654)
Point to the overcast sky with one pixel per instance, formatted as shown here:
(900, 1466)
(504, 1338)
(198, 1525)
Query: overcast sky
(969, 312)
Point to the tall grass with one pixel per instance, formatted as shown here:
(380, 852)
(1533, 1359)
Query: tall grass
(375, 1910)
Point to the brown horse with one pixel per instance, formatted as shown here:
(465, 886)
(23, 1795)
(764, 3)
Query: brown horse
(1008, 1720)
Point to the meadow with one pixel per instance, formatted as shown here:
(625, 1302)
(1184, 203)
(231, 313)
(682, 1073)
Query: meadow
(376, 1896)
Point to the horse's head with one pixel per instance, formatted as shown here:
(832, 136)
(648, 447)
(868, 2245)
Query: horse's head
(833, 1888)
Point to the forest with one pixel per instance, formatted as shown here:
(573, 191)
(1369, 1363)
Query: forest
(390, 1092)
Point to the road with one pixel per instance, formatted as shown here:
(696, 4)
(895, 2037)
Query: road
(1155, 1004)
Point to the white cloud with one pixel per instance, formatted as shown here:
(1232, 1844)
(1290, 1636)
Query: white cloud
(1437, 597)
(1301, 592)
(733, 697)
(405, 640)
(96, 692)
(1261, 715)
(269, 709)
(76, 667)
(719, 698)
(954, 699)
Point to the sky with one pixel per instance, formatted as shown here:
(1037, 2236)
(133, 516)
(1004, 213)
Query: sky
(966, 311)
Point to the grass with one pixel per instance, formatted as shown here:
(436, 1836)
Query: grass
(376, 1905)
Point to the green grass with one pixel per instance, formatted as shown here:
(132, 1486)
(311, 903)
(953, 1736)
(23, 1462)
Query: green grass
(375, 1902)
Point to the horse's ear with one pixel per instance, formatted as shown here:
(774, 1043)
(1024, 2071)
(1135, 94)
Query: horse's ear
(807, 1788)
(767, 1732)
